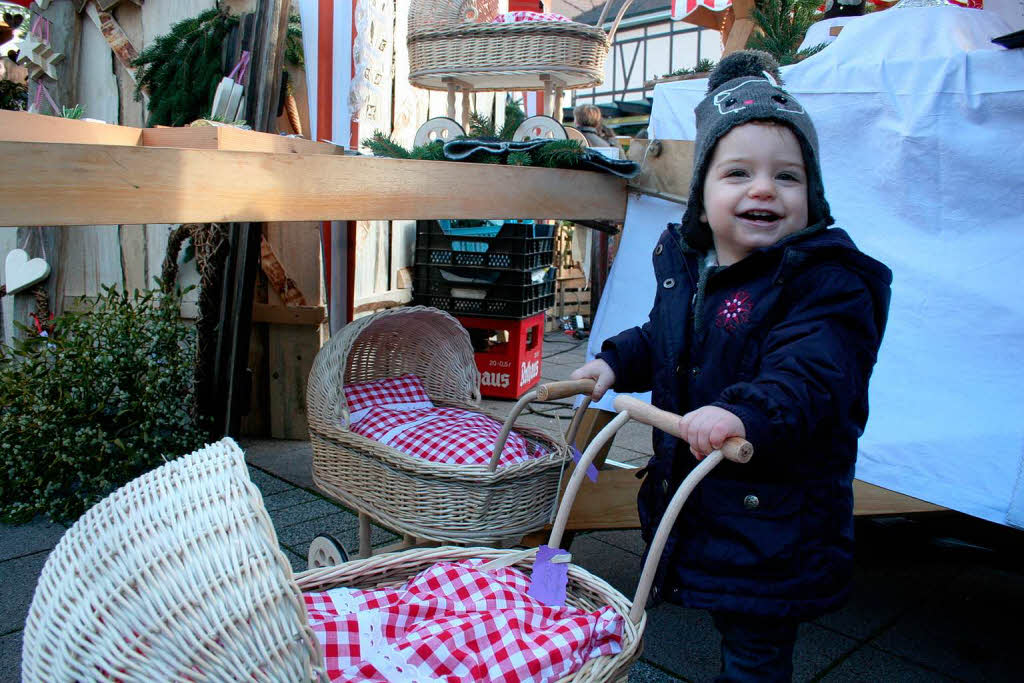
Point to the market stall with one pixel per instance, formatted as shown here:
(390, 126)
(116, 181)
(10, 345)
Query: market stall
(918, 115)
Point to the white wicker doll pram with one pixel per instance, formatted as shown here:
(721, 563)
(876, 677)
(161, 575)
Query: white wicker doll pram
(479, 504)
(178, 576)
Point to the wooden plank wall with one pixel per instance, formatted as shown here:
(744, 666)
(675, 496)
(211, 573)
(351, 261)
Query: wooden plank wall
(291, 348)
(126, 256)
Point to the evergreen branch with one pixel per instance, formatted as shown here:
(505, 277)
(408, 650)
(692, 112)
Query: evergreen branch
(480, 126)
(560, 154)
(432, 151)
(519, 159)
(382, 145)
(293, 53)
(182, 68)
(782, 25)
(514, 116)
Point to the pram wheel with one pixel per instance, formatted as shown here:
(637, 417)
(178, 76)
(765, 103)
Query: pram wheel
(325, 551)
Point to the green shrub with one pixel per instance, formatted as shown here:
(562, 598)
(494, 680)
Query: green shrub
(105, 397)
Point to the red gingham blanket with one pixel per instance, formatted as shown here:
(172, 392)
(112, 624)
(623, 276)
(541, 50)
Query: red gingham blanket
(398, 413)
(448, 435)
(455, 623)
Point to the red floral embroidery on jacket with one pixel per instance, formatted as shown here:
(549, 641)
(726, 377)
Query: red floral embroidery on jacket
(735, 311)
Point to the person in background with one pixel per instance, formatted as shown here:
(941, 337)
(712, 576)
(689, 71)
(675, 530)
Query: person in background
(766, 326)
(587, 118)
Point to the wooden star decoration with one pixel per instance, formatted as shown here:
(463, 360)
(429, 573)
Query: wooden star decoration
(39, 57)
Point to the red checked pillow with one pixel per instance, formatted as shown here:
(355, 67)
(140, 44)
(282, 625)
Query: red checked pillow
(400, 393)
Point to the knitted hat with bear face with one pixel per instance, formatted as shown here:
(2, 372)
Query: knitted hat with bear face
(745, 87)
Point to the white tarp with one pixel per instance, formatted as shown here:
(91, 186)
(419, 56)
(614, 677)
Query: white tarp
(921, 123)
(628, 295)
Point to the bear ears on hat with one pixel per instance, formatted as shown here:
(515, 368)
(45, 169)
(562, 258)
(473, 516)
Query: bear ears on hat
(743, 63)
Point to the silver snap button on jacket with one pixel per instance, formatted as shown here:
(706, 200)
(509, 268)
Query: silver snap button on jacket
(669, 283)
(751, 502)
(657, 250)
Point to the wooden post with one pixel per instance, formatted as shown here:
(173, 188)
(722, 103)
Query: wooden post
(65, 37)
(743, 25)
(231, 379)
(234, 379)
(451, 100)
(267, 50)
(291, 347)
(553, 88)
(133, 238)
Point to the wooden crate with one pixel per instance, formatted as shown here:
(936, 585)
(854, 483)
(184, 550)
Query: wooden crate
(572, 297)
(572, 294)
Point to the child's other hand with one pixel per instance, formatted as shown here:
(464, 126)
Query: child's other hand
(707, 428)
(600, 372)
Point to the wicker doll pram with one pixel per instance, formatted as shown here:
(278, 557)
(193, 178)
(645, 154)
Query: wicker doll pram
(480, 504)
(454, 41)
(178, 576)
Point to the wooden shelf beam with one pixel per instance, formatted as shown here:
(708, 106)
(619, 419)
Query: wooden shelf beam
(92, 184)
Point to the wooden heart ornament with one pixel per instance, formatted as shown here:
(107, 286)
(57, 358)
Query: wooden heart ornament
(23, 272)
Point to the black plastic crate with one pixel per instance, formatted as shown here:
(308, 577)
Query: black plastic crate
(488, 308)
(476, 229)
(435, 280)
(473, 276)
(490, 259)
(511, 238)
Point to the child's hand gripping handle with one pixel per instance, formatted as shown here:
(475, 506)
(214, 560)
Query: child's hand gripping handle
(545, 392)
(735, 449)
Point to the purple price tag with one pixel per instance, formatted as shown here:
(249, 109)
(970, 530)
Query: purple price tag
(548, 579)
(591, 470)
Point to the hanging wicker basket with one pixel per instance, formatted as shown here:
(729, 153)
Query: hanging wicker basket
(455, 41)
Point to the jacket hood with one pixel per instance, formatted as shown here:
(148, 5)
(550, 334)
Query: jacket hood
(836, 244)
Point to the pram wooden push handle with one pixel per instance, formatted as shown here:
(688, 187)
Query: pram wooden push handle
(735, 449)
(555, 390)
(545, 392)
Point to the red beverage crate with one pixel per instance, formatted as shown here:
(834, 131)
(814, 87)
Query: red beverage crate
(509, 369)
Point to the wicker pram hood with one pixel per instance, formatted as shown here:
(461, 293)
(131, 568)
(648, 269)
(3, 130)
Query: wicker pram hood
(416, 340)
(175, 576)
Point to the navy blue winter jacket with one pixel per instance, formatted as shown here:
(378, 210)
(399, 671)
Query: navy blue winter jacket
(786, 339)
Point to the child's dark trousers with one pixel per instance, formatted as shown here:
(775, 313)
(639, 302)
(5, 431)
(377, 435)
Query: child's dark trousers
(755, 649)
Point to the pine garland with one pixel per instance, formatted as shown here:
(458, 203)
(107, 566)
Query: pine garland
(182, 69)
(555, 154)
